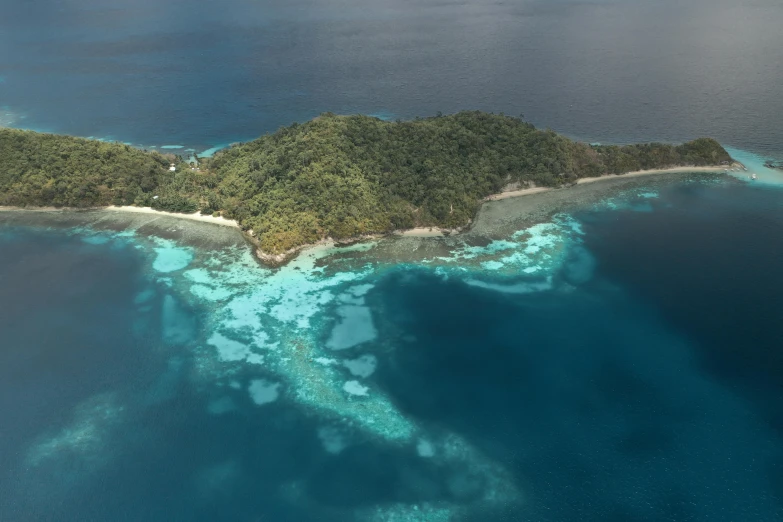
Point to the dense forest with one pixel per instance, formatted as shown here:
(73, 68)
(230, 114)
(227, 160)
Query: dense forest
(335, 176)
(63, 171)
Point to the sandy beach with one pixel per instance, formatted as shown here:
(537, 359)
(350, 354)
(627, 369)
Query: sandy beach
(421, 232)
(674, 170)
(136, 210)
(538, 190)
(517, 193)
(193, 217)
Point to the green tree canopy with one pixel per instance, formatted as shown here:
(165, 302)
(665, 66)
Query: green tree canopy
(334, 176)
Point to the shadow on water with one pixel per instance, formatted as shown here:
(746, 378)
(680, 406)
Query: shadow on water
(616, 402)
(67, 311)
(720, 258)
(249, 464)
(542, 384)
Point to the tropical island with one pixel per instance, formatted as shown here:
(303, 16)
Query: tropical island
(337, 177)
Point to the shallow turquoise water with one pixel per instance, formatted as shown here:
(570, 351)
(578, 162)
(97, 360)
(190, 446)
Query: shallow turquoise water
(617, 362)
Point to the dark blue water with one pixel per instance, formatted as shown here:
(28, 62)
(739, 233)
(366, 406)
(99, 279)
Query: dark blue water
(620, 364)
(650, 390)
(203, 73)
(655, 392)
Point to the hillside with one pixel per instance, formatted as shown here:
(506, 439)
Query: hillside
(342, 176)
(335, 176)
(63, 171)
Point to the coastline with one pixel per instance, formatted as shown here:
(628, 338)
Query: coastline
(716, 169)
(276, 260)
(437, 232)
(421, 232)
(196, 216)
(133, 210)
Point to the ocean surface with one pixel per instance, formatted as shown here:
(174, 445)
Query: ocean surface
(616, 359)
(611, 352)
(201, 74)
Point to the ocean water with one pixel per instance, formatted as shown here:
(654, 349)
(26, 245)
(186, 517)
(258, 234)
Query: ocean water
(617, 359)
(202, 74)
(610, 352)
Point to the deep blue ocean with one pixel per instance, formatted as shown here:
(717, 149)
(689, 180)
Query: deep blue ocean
(200, 74)
(612, 353)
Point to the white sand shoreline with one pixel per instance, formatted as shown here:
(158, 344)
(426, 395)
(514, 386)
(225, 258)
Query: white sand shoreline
(133, 210)
(196, 216)
(420, 232)
(716, 169)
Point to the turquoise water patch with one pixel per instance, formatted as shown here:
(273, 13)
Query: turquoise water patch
(208, 153)
(170, 257)
(383, 115)
(363, 366)
(198, 275)
(354, 327)
(230, 350)
(263, 391)
(355, 388)
(295, 319)
(209, 293)
(755, 164)
(425, 449)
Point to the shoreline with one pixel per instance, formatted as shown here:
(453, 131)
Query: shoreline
(276, 260)
(437, 232)
(196, 216)
(716, 169)
(133, 210)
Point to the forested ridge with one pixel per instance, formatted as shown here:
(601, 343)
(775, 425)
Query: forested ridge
(63, 171)
(334, 176)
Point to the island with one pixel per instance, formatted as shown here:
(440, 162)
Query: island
(337, 177)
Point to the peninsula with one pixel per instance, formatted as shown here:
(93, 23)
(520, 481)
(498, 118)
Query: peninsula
(336, 177)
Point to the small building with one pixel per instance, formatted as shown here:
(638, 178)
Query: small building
(172, 168)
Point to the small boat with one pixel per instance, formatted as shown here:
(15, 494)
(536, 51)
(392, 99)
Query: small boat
(753, 176)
